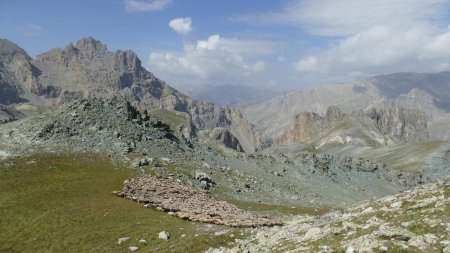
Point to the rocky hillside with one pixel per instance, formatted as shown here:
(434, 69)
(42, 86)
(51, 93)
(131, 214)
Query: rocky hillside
(416, 220)
(429, 93)
(88, 69)
(372, 128)
(118, 129)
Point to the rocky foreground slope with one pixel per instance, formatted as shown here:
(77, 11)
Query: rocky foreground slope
(88, 69)
(416, 220)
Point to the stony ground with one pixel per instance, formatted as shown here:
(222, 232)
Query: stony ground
(170, 195)
(417, 220)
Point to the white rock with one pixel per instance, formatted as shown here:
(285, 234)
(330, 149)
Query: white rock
(350, 249)
(446, 249)
(133, 248)
(396, 205)
(417, 242)
(367, 210)
(424, 203)
(325, 247)
(218, 233)
(143, 241)
(430, 238)
(3, 154)
(445, 242)
(387, 199)
(163, 235)
(122, 239)
(407, 223)
(312, 234)
(383, 248)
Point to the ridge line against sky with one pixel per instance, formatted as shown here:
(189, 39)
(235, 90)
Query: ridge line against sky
(278, 45)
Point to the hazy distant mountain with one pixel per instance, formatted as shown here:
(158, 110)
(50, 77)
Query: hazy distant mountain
(427, 92)
(232, 94)
(89, 69)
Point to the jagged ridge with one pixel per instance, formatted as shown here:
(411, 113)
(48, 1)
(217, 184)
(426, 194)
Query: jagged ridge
(87, 69)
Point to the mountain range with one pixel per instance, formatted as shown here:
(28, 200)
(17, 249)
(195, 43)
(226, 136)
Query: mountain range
(231, 95)
(88, 69)
(426, 92)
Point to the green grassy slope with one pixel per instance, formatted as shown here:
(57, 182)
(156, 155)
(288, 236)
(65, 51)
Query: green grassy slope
(62, 203)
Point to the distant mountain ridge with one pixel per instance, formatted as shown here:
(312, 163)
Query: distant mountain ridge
(427, 92)
(231, 95)
(88, 69)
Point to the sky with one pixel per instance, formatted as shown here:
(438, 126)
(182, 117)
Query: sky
(271, 44)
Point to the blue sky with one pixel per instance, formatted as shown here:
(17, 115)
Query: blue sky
(285, 44)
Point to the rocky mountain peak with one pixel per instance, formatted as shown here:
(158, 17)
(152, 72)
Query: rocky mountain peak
(90, 45)
(15, 72)
(128, 60)
(9, 49)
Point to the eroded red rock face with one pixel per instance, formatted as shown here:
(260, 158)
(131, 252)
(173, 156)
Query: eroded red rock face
(170, 195)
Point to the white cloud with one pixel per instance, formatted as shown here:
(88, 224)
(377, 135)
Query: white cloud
(182, 26)
(307, 64)
(347, 17)
(438, 47)
(381, 50)
(145, 5)
(365, 37)
(259, 66)
(213, 60)
(29, 29)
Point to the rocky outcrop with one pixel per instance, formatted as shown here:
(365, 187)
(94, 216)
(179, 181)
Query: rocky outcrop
(306, 126)
(400, 124)
(8, 114)
(88, 69)
(224, 136)
(416, 220)
(113, 126)
(374, 127)
(170, 195)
